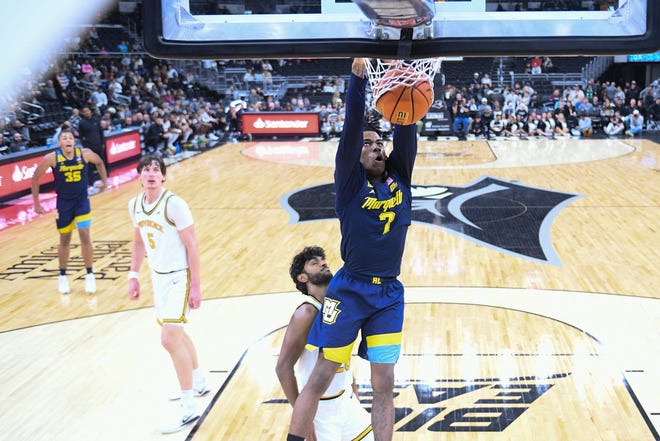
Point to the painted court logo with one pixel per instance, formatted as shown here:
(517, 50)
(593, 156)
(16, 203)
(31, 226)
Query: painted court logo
(460, 405)
(507, 216)
(480, 405)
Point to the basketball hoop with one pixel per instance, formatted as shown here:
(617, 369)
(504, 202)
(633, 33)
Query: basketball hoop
(386, 75)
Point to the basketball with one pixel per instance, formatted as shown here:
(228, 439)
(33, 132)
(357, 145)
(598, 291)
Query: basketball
(406, 103)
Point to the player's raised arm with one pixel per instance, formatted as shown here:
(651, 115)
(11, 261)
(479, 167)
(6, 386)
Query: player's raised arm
(347, 160)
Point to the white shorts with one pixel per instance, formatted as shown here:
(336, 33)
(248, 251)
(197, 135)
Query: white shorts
(171, 296)
(342, 419)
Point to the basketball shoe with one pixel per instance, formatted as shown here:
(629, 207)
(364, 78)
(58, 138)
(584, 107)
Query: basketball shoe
(181, 423)
(198, 391)
(90, 283)
(189, 415)
(63, 285)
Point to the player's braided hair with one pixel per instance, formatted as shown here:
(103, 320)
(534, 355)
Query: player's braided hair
(298, 265)
(372, 121)
(372, 126)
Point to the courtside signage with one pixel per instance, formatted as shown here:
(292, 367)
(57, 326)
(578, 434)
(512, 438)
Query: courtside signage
(17, 176)
(281, 123)
(123, 146)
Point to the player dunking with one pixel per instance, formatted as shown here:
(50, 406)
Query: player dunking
(69, 165)
(164, 231)
(373, 204)
(340, 417)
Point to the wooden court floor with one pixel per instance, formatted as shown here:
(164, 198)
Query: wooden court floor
(532, 288)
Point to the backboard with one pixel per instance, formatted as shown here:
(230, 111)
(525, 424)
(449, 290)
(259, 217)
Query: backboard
(240, 29)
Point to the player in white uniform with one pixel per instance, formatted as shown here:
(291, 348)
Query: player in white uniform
(165, 233)
(339, 417)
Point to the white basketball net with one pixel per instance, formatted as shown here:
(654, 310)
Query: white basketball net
(407, 72)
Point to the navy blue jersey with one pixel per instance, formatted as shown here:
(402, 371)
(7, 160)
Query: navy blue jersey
(70, 175)
(374, 219)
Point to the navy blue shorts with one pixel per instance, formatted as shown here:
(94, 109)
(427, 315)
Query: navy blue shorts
(73, 213)
(353, 303)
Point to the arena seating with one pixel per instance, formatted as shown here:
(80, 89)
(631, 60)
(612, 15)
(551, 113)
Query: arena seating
(290, 77)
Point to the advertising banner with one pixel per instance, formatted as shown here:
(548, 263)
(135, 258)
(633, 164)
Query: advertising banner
(122, 145)
(17, 176)
(280, 123)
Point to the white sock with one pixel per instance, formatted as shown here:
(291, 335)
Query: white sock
(187, 402)
(198, 378)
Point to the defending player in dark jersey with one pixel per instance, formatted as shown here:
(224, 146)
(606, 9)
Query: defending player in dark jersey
(373, 204)
(69, 165)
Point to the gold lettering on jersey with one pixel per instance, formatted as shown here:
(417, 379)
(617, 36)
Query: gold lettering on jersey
(151, 224)
(375, 280)
(371, 203)
(65, 168)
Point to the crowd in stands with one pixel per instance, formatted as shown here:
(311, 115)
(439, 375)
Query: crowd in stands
(168, 107)
(537, 65)
(122, 92)
(608, 109)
